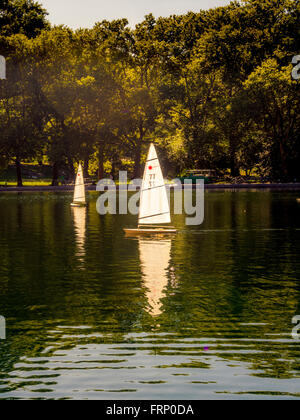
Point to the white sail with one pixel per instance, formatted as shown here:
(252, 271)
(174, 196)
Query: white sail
(79, 192)
(155, 260)
(154, 203)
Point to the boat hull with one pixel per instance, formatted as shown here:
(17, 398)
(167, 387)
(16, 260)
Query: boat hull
(150, 231)
(78, 204)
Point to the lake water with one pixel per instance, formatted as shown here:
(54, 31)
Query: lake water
(205, 314)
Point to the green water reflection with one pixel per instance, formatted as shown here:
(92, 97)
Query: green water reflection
(205, 314)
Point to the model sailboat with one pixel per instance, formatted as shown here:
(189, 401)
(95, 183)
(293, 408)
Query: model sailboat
(154, 203)
(79, 191)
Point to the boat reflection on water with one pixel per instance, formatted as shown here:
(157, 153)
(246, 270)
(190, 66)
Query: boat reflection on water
(155, 260)
(79, 218)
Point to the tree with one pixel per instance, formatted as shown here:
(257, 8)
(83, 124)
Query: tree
(25, 17)
(21, 120)
(199, 85)
(275, 103)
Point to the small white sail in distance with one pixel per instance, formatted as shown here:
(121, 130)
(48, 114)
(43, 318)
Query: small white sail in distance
(79, 191)
(154, 203)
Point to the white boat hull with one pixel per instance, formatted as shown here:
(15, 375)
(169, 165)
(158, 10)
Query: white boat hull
(150, 231)
(78, 204)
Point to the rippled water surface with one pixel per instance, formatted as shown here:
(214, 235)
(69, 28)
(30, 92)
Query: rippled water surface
(205, 314)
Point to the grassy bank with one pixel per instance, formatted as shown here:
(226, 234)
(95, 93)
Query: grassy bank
(27, 183)
(33, 174)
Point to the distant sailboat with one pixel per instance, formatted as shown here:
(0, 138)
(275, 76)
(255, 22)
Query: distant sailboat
(154, 203)
(79, 191)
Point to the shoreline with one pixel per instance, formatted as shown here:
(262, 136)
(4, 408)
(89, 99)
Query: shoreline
(70, 188)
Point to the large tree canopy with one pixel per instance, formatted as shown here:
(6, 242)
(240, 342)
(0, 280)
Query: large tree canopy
(22, 16)
(211, 89)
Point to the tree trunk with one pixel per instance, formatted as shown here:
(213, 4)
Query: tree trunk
(86, 167)
(234, 170)
(19, 173)
(137, 160)
(100, 163)
(55, 175)
(71, 170)
(113, 168)
(283, 157)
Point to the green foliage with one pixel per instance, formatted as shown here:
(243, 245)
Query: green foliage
(22, 17)
(211, 89)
